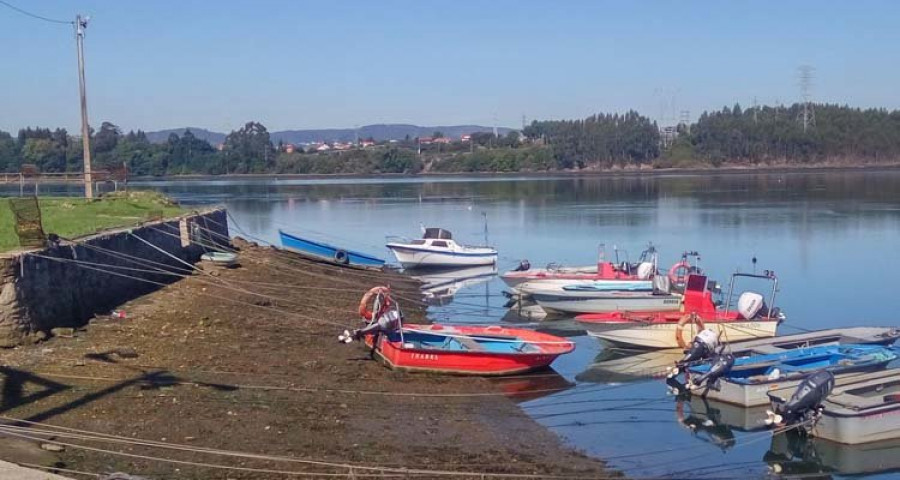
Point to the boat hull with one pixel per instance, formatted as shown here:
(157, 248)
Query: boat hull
(515, 278)
(473, 362)
(757, 393)
(607, 302)
(419, 257)
(328, 253)
(663, 335)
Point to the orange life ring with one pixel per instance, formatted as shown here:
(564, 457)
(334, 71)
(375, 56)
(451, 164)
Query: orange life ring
(365, 311)
(673, 272)
(684, 320)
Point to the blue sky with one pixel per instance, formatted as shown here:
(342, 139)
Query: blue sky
(309, 64)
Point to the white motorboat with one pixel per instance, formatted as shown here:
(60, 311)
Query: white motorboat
(603, 296)
(437, 248)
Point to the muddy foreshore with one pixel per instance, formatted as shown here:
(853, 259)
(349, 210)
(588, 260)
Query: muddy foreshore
(247, 361)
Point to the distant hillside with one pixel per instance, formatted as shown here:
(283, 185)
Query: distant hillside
(378, 132)
(161, 136)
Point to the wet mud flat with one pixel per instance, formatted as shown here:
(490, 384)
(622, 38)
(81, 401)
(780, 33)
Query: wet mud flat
(237, 373)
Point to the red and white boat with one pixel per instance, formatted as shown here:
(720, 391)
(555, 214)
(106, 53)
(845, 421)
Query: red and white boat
(467, 350)
(751, 318)
(604, 270)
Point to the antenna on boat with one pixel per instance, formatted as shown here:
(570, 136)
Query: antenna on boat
(484, 215)
(753, 261)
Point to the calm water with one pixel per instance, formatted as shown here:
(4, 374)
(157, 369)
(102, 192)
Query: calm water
(831, 238)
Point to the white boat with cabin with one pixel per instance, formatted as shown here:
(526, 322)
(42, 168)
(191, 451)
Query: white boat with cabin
(437, 248)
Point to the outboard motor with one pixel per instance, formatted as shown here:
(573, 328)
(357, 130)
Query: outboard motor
(702, 347)
(805, 404)
(524, 265)
(751, 304)
(721, 365)
(644, 270)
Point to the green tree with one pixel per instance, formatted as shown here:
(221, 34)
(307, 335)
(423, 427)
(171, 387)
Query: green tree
(249, 150)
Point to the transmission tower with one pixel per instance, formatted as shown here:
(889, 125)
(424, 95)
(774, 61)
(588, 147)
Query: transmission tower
(755, 104)
(685, 119)
(805, 73)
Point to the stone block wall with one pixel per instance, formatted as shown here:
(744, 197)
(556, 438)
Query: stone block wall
(66, 285)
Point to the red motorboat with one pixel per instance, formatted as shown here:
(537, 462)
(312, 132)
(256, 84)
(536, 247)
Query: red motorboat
(467, 350)
(751, 318)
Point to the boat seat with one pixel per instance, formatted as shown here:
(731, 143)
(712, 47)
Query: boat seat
(468, 343)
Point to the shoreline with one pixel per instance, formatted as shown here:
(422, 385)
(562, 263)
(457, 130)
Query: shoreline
(199, 365)
(730, 170)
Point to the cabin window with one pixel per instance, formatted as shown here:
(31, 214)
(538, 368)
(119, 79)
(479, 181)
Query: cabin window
(438, 243)
(418, 242)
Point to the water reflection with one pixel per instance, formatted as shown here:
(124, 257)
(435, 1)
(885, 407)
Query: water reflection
(439, 286)
(616, 365)
(793, 455)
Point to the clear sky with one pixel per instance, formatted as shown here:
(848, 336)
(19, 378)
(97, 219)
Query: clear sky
(315, 64)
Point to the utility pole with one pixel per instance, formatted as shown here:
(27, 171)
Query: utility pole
(80, 25)
(808, 116)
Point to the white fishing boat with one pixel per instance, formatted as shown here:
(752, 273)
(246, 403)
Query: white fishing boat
(437, 248)
(861, 408)
(751, 318)
(604, 296)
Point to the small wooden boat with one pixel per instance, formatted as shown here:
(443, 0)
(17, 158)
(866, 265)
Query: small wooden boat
(752, 318)
(328, 253)
(749, 380)
(467, 350)
(437, 248)
(861, 408)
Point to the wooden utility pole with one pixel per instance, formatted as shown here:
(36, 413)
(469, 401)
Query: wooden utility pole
(80, 25)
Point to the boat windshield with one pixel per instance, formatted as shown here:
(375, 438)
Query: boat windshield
(437, 233)
(418, 242)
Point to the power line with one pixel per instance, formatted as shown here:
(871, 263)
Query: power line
(34, 15)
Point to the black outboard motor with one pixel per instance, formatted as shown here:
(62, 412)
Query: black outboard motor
(805, 404)
(702, 347)
(524, 265)
(721, 365)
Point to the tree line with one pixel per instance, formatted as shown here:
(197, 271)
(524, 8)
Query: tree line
(764, 135)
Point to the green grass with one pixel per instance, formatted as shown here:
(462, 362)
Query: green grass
(73, 217)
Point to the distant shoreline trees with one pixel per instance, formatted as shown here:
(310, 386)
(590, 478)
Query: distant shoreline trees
(759, 136)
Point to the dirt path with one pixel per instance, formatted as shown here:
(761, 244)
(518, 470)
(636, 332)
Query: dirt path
(205, 363)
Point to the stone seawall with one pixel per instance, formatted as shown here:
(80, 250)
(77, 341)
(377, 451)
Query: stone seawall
(66, 285)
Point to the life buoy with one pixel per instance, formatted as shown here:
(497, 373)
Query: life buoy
(341, 257)
(365, 311)
(674, 277)
(684, 320)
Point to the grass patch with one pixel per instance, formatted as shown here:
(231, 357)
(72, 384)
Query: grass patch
(73, 217)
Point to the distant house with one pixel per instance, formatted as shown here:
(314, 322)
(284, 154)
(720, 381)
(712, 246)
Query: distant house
(220, 147)
(342, 146)
(444, 140)
(288, 148)
(465, 138)
(366, 143)
(425, 140)
(322, 147)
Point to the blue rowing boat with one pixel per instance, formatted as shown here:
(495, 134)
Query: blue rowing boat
(328, 253)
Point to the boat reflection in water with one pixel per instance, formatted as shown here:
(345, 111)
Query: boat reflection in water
(615, 365)
(440, 285)
(524, 388)
(792, 455)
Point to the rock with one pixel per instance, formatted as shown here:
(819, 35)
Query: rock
(63, 332)
(52, 447)
(126, 352)
(46, 351)
(38, 336)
